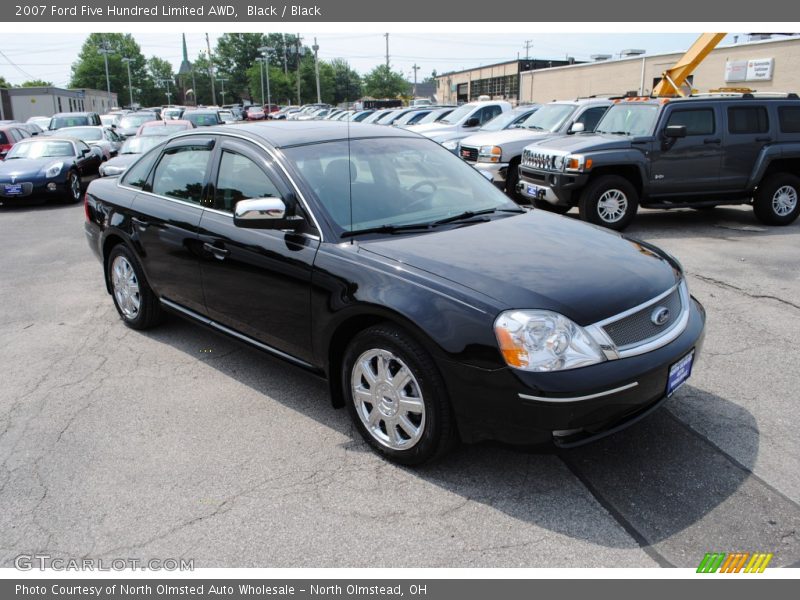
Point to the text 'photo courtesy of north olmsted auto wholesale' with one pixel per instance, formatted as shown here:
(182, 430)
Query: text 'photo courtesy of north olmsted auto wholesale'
(361, 301)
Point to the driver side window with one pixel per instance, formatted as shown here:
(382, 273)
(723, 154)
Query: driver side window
(240, 179)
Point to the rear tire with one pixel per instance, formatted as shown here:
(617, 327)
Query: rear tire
(776, 199)
(609, 201)
(136, 303)
(396, 397)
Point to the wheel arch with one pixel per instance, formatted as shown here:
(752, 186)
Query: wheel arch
(630, 172)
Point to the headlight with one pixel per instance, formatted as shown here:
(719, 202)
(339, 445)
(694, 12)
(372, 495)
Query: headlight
(110, 170)
(542, 341)
(577, 163)
(490, 154)
(54, 169)
(451, 145)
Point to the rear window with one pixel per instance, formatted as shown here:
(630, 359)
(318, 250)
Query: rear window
(3, 137)
(76, 121)
(747, 119)
(789, 117)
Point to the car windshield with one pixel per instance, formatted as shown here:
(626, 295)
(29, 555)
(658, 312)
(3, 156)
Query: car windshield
(501, 121)
(131, 121)
(201, 119)
(549, 118)
(160, 130)
(458, 114)
(434, 116)
(629, 119)
(87, 134)
(139, 144)
(393, 182)
(41, 149)
(71, 121)
(43, 122)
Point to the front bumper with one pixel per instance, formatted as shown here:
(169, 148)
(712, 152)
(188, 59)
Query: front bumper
(556, 188)
(567, 407)
(36, 188)
(498, 172)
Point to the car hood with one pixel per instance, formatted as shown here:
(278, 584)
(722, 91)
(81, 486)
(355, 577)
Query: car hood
(506, 136)
(21, 168)
(540, 260)
(585, 142)
(127, 131)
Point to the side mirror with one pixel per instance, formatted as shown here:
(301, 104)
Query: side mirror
(675, 131)
(472, 122)
(577, 128)
(264, 213)
(86, 151)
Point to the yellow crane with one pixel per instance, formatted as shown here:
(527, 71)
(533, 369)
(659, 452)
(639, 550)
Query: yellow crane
(673, 78)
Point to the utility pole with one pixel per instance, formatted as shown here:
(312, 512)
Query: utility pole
(260, 62)
(285, 62)
(528, 44)
(416, 68)
(222, 81)
(211, 70)
(128, 62)
(194, 87)
(169, 94)
(105, 51)
(297, 49)
(315, 48)
(265, 50)
(386, 35)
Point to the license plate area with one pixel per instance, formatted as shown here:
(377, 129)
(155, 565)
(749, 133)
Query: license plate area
(679, 372)
(12, 189)
(535, 190)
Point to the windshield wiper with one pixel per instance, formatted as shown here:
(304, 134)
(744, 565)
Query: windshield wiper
(469, 214)
(387, 229)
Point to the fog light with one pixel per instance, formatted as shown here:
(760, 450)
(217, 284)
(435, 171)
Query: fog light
(51, 187)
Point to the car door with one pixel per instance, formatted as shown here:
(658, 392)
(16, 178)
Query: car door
(165, 218)
(748, 131)
(688, 165)
(256, 282)
(87, 161)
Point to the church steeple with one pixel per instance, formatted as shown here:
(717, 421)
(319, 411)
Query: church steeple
(186, 66)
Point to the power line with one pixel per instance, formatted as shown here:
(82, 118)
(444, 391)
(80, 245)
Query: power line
(21, 70)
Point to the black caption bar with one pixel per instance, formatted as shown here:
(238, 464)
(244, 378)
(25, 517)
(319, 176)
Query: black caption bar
(363, 589)
(438, 11)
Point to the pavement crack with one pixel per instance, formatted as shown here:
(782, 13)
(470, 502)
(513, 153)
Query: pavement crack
(744, 292)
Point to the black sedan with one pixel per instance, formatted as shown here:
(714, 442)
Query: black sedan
(437, 309)
(47, 166)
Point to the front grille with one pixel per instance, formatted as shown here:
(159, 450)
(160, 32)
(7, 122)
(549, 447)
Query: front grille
(536, 159)
(639, 327)
(469, 154)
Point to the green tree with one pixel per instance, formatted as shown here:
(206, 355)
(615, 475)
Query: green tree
(346, 82)
(382, 82)
(4, 83)
(88, 71)
(281, 86)
(163, 80)
(36, 83)
(198, 81)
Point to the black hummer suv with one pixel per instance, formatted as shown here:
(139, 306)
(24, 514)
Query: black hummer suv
(695, 152)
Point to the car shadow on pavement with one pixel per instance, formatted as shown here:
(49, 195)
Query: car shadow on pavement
(660, 485)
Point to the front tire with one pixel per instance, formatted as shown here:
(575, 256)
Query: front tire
(73, 194)
(609, 201)
(136, 303)
(396, 397)
(776, 200)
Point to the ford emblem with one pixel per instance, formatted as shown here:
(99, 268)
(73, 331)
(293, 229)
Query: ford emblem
(660, 315)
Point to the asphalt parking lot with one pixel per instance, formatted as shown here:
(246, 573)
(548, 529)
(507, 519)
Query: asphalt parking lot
(180, 443)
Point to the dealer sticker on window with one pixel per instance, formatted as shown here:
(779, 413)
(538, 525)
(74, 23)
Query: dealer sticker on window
(679, 373)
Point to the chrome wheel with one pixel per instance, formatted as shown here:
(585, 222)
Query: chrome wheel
(612, 206)
(784, 200)
(388, 399)
(75, 186)
(125, 285)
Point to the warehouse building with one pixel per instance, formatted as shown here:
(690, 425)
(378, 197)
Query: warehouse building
(500, 81)
(764, 63)
(22, 103)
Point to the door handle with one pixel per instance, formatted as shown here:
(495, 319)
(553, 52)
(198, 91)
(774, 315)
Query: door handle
(764, 138)
(139, 223)
(219, 253)
(712, 141)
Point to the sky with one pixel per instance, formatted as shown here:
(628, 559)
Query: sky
(49, 57)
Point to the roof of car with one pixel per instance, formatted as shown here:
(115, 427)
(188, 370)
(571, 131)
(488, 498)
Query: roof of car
(281, 134)
(81, 113)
